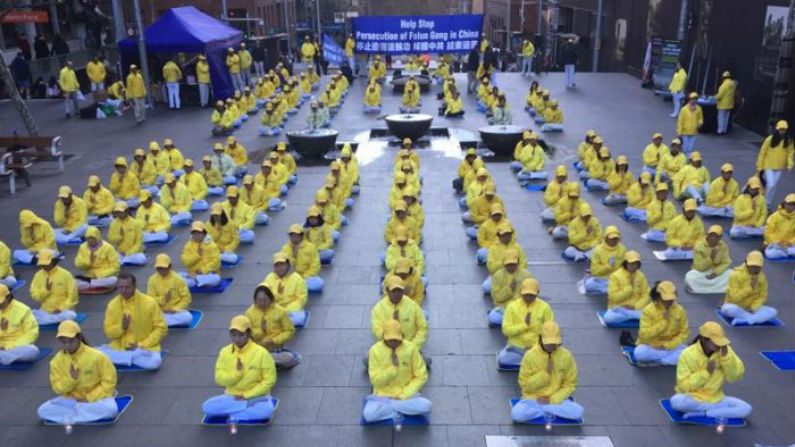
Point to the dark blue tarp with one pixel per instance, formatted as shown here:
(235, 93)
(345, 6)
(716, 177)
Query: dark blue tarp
(188, 30)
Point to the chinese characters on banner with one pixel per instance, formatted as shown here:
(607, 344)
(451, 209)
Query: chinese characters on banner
(417, 34)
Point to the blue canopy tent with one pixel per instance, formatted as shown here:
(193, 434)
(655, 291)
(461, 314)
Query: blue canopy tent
(188, 30)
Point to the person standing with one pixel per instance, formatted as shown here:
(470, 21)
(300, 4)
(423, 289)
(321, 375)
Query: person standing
(95, 70)
(259, 57)
(473, 61)
(528, 50)
(725, 100)
(59, 45)
(570, 56)
(20, 71)
(677, 88)
(24, 46)
(136, 92)
(203, 78)
(41, 48)
(776, 154)
(67, 81)
(690, 119)
(308, 51)
(350, 45)
(245, 64)
(172, 75)
(319, 66)
(233, 65)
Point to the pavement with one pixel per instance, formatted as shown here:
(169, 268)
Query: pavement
(320, 400)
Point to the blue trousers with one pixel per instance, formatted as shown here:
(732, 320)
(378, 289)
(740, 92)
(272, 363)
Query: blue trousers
(314, 284)
(527, 409)
(255, 409)
(380, 408)
(510, 356)
(67, 411)
(728, 407)
(667, 357)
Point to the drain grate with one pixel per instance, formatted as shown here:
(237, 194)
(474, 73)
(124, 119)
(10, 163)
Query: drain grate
(548, 441)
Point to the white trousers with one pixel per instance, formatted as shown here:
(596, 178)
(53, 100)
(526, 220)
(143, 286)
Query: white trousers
(570, 71)
(699, 283)
(67, 411)
(160, 236)
(744, 232)
(209, 279)
(139, 107)
(776, 251)
(137, 357)
(654, 236)
(619, 315)
(668, 357)
(573, 253)
(677, 100)
(62, 237)
(97, 86)
(728, 407)
(723, 120)
(134, 259)
(43, 317)
(677, 254)
(740, 315)
(772, 176)
(179, 318)
(10, 281)
(526, 410)
(614, 199)
(380, 408)
(110, 281)
(24, 353)
(173, 95)
(255, 409)
(204, 94)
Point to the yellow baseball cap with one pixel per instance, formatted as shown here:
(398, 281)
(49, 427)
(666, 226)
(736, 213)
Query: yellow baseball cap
(676, 141)
(482, 172)
(631, 256)
(573, 189)
(789, 198)
(169, 178)
(321, 196)
(295, 229)
(726, 74)
(188, 163)
(68, 329)
(715, 229)
(656, 135)
(394, 282)
(561, 171)
(612, 231)
(392, 330)
(168, 142)
(690, 205)
(667, 290)
(232, 191)
(403, 266)
(139, 152)
(120, 161)
(490, 189)
(550, 333)
(406, 141)
(782, 125)
(162, 261)
(727, 167)
(64, 192)
(591, 133)
(120, 207)
(662, 186)
(401, 234)
(714, 332)
(207, 158)
(218, 147)
(604, 152)
(400, 205)
(598, 140)
(93, 180)
(154, 146)
(693, 95)
(248, 180)
(585, 209)
(645, 177)
(510, 257)
(471, 151)
(495, 208)
(230, 139)
(240, 323)
(144, 195)
(281, 146)
(622, 160)
(754, 259)
(754, 182)
(45, 257)
(696, 156)
(217, 209)
(504, 228)
(93, 231)
(314, 211)
(529, 287)
(197, 226)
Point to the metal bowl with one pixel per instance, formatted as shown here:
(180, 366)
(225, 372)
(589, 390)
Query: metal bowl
(313, 143)
(501, 139)
(408, 125)
(399, 83)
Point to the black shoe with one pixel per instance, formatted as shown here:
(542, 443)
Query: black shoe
(626, 339)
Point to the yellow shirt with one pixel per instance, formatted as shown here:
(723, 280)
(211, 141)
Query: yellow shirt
(396, 382)
(55, 290)
(410, 251)
(625, 289)
(684, 233)
(413, 287)
(660, 214)
(256, 197)
(177, 199)
(413, 228)
(567, 209)
(658, 331)
(238, 153)
(689, 120)
(620, 183)
(145, 172)
(742, 290)
(750, 211)
(257, 377)
(479, 212)
(226, 237)
(233, 63)
(201, 257)
(96, 377)
(412, 320)
(136, 87)
(693, 378)
(172, 72)
(585, 235)
(517, 330)
(202, 72)
(245, 59)
(242, 214)
(639, 197)
(5, 261)
(487, 232)
(722, 193)
(776, 157)
(505, 286)
(535, 380)
(780, 228)
(652, 154)
(67, 80)
(154, 219)
(272, 325)
(554, 192)
(289, 291)
(99, 203)
(533, 158)
(170, 292)
(73, 217)
(104, 262)
(95, 71)
(320, 236)
(127, 235)
(670, 164)
(176, 158)
(304, 258)
(197, 186)
(38, 237)
(147, 326)
(372, 98)
(124, 187)
(725, 94)
(606, 259)
(705, 261)
(212, 176)
(678, 81)
(21, 329)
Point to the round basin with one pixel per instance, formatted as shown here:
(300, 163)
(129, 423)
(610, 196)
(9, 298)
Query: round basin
(408, 125)
(313, 143)
(399, 83)
(501, 139)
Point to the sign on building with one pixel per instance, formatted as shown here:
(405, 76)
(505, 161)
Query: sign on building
(417, 34)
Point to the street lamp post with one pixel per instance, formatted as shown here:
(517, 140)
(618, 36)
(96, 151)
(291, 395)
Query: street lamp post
(319, 30)
(142, 50)
(287, 31)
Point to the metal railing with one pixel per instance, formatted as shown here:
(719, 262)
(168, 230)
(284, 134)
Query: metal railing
(52, 65)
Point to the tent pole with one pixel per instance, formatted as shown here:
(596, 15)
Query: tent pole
(142, 51)
(224, 15)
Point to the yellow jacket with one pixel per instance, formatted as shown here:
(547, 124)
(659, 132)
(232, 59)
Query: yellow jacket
(689, 175)
(412, 320)
(272, 325)
(606, 259)
(233, 63)
(201, 257)
(308, 50)
(585, 235)
(780, 228)
(567, 209)
(487, 232)
(270, 185)
(413, 287)
(238, 153)
(305, 258)
(202, 72)
(22, 326)
(396, 382)
(37, 237)
(257, 376)
(154, 219)
(670, 164)
(639, 197)
(5, 260)
(693, 378)
(497, 251)
(553, 116)
(256, 197)
(410, 251)
(147, 326)
(162, 162)
(658, 331)
(105, 262)
(136, 87)
(722, 193)
(465, 168)
(776, 157)
(67, 80)
(475, 189)
(684, 233)
(245, 59)
(689, 120)
(289, 292)
(750, 211)
(172, 72)
(620, 183)
(197, 186)
(678, 81)
(145, 172)
(454, 105)
(413, 228)
(372, 98)
(73, 217)
(170, 291)
(533, 158)
(519, 333)
(320, 236)
(725, 94)
(127, 235)
(652, 155)
(743, 292)
(176, 158)
(242, 214)
(61, 293)
(505, 286)
(554, 192)
(95, 72)
(124, 187)
(480, 210)
(350, 44)
(96, 374)
(535, 380)
(99, 203)
(660, 214)
(704, 261)
(212, 177)
(176, 199)
(528, 49)
(331, 215)
(116, 91)
(601, 170)
(226, 237)
(625, 289)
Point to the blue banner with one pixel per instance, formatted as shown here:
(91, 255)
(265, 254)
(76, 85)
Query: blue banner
(332, 52)
(417, 34)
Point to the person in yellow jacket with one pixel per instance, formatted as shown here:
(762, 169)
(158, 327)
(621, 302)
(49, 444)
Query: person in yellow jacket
(238, 153)
(533, 159)
(776, 154)
(606, 259)
(117, 92)
(349, 164)
(289, 289)
(677, 88)
(98, 261)
(692, 180)
(413, 284)
(552, 118)
(135, 326)
(99, 203)
(320, 234)
(474, 189)
(506, 242)
(36, 234)
(480, 212)
(126, 233)
(224, 233)
(171, 293)
(287, 160)
(618, 183)
(627, 291)
(547, 380)
(202, 257)
(377, 70)
(400, 217)
(67, 81)
(750, 211)
(281, 172)
(403, 246)
(240, 213)
(212, 176)
(175, 198)
(682, 234)
(124, 184)
(410, 316)
(654, 153)
(196, 186)
(599, 171)
(585, 151)
(528, 51)
(233, 65)
(247, 373)
(161, 160)
(703, 368)
(711, 261)
(470, 163)
(95, 70)
(721, 194)
(725, 101)
(271, 188)
(487, 233)
(566, 210)
(372, 98)
(144, 169)
(6, 271)
(411, 101)
(663, 328)
(155, 219)
(397, 372)
(305, 258)
(505, 286)
(554, 192)
(522, 324)
(780, 230)
(203, 78)
(308, 51)
(18, 330)
(136, 92)
(271, 327)
(585, 233)
(71, 216)
(639, 196)
(350, 47)
(659, 214)
(84, 379)
(174, 156)
(55, 288)
(256, 197)
(413, 206)
(172, 75)
(690, 119)
(746, 295)
(670, 163)
(245, 63)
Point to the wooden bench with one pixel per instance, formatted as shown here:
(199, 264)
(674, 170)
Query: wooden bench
(19, 153)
